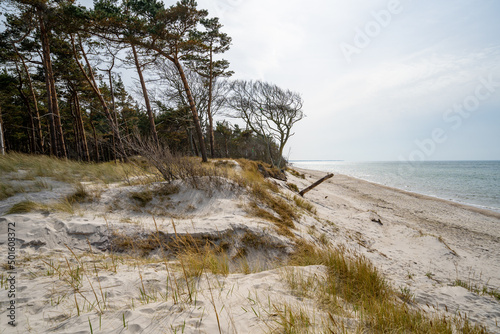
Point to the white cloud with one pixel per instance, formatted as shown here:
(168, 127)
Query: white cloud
(396, 90)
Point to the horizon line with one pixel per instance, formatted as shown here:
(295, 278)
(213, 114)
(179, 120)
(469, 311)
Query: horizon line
(337, 160)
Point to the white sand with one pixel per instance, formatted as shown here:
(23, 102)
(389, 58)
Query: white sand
(424, 245)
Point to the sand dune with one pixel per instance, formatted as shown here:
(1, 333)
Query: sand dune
(67, 281)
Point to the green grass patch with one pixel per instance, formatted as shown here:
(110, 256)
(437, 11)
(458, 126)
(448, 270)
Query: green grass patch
(477, 289)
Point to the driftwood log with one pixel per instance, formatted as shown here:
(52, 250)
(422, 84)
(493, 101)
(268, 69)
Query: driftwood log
(315, 184)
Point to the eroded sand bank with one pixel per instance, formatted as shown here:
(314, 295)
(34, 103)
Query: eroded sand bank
(423, 245)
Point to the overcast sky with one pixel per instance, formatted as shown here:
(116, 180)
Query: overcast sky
(381, 80)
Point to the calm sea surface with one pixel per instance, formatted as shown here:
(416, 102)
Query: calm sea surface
(470, 182)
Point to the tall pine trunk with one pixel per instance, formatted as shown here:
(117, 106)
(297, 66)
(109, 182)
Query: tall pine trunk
(209, 107)
(31, 126)
(96, 143)
(39, 147)
(76, 130)
(93, 84)
(192, 105)
(2, 138)
(56, 130)
(152, 126)
(82, 137)
(113, 105)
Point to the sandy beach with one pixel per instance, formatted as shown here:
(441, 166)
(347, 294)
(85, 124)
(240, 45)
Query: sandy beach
(424, 243)
(445, 255)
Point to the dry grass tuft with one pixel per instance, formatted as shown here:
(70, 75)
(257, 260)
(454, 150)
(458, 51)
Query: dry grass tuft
(304, 204)
(259, 241)
(7, 190)
(24, 207)
(142, 197)
(292, 319)
(165, 190)
(271, 207)
(293, 187)
(295, 173)
(64, 205)
(352, 280)
(305, 254)
(262, 168)
(199, 260)
(135, 244)
(266, 199)
(80, 195)
(64, 170)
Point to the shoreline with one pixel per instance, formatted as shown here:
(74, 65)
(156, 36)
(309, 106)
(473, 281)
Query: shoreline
(468, 206)
(457, 201)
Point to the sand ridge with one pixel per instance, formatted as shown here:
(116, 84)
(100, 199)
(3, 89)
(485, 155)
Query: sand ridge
(421, 244)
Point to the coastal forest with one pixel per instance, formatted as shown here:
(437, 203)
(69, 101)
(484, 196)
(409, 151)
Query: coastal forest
(62, 92)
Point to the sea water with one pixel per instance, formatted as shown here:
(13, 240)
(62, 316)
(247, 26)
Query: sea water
(475, 183)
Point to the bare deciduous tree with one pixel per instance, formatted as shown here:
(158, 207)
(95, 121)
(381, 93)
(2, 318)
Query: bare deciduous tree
(267, 110)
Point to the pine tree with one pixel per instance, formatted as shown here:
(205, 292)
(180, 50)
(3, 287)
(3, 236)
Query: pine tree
(214, 42)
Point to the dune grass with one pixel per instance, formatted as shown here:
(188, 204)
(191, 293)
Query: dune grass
(266, 200)
(27, 206)
(142, 198)
(476, 288)
(24, 207)
(304, 204)
(65, 170)
(10, 188)
(351, 288)
(7, 190)
(65, 204)
(295, 173)
(352, 282)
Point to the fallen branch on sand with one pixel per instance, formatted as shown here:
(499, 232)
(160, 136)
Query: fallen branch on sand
(315, 184)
